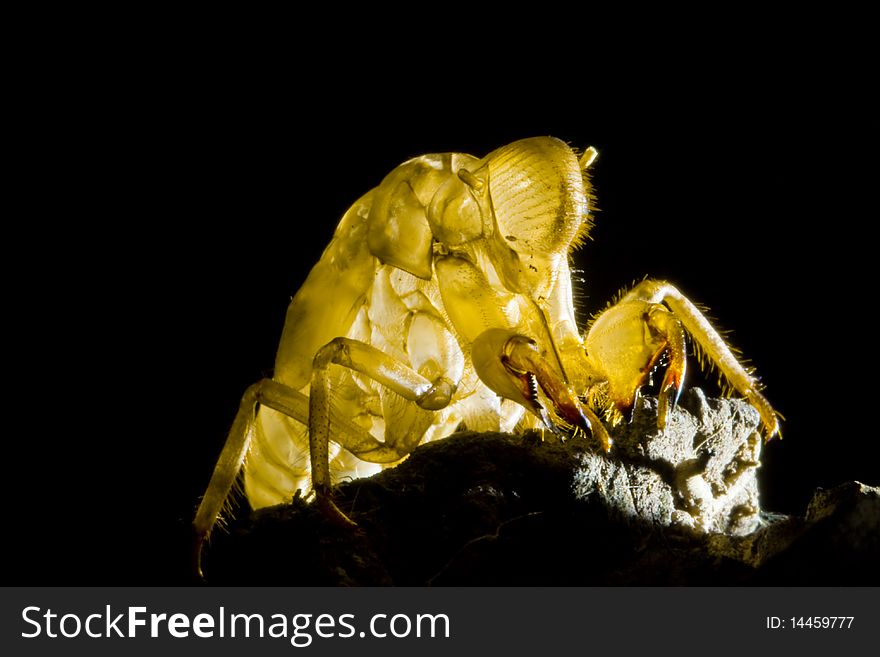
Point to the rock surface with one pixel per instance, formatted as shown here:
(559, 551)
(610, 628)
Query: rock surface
(675, 507)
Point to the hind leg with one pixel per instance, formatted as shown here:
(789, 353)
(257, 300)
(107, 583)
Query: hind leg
(285, 400)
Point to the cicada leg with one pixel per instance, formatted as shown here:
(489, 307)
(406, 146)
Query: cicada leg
(662, 322)
(386, 370)
(294, 404)
(511, 365)
(708, 339)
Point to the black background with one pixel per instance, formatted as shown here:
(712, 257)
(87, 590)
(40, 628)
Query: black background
(168, 204)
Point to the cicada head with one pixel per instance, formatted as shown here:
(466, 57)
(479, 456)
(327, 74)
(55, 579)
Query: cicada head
(538, 194)
(539, 197)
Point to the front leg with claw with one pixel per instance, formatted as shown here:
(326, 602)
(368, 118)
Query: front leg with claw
(626, 342)
(512, 366)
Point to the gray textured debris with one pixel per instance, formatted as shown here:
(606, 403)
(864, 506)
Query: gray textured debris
(673, 507)
(698, 472)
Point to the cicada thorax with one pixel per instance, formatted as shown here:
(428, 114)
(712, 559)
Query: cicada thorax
(402, 226)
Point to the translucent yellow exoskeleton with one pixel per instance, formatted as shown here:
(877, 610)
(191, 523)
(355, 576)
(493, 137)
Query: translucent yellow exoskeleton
(445, 297)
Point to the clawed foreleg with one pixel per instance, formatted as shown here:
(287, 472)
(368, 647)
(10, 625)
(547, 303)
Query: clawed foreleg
(712, 344)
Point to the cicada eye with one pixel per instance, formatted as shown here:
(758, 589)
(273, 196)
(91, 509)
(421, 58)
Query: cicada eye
(539, 195)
